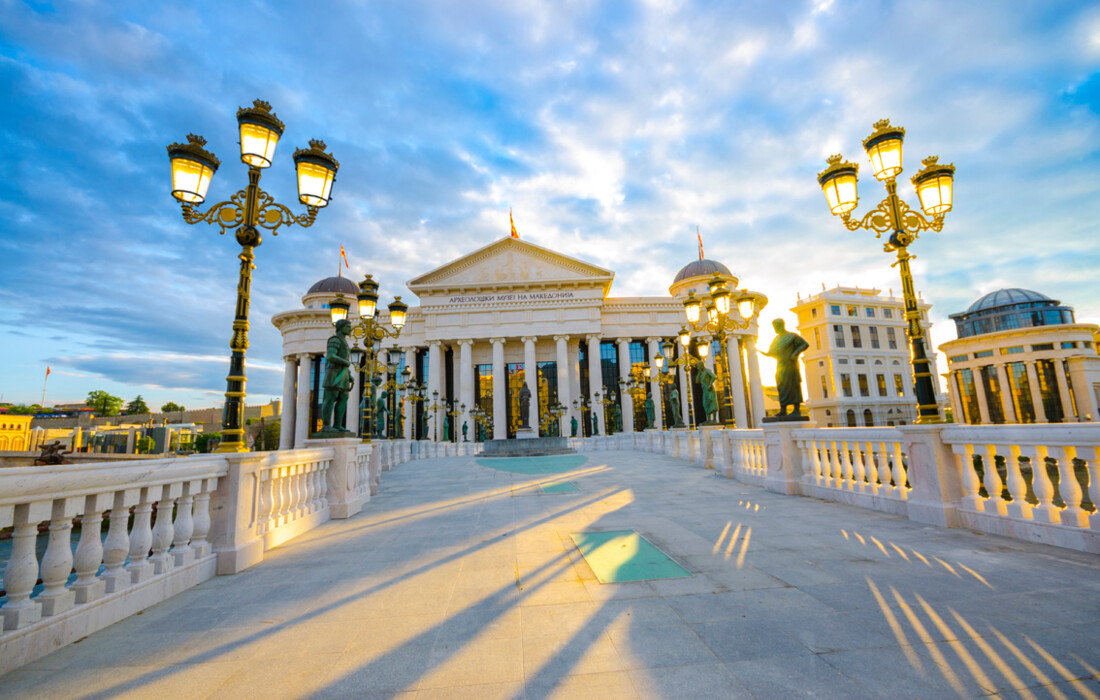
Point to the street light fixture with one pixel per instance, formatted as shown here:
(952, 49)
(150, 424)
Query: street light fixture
(369, 331)
(934, 185)
(247, 211)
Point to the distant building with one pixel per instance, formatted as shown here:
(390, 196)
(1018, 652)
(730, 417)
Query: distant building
(857, 365)
(15, 432)
(1021, 358)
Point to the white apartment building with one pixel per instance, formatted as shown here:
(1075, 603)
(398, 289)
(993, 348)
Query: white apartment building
(857, 369)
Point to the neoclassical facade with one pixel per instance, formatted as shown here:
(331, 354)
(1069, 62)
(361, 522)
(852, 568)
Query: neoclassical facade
(514, 313)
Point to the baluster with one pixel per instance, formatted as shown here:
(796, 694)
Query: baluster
(183, 527)
(267, 502)
(899, 472)
(870, 467)
(117, 546)
(310, 505)
(282, 496)
(89, 553)
(299, 491)
(971, 499)
(834, 474)
(993, 485)
(1093, 473)
(162, 532)
(291, 510)
(57, 562)
(758, 457)
(21, 572)
(859, 472)
(201, 517)
(815, 457)
(846, 465)
(1019, 508)
(141, 539)
(1045, 512)
(1070, 489)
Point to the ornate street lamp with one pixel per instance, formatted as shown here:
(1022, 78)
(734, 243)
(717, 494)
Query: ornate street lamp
(934, 184)
(369, 332)
(247, 211)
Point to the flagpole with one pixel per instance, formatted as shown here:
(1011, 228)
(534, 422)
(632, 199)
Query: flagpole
(43, 404)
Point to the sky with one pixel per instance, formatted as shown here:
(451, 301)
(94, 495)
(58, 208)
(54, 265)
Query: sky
(611, 129)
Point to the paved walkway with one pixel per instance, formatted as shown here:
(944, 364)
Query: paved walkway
(461, 581)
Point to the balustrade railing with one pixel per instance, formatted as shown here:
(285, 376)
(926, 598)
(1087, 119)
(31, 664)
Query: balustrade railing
(747, 459)
(856, 460)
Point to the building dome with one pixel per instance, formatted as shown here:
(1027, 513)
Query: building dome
(1008, 297)
(698, 268)
(334, 285)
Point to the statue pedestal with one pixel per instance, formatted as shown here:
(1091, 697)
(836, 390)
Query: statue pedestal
(526, 433)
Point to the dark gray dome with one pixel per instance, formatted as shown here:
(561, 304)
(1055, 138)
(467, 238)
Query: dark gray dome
(697, 268)
(333, 285)
(1007, 297)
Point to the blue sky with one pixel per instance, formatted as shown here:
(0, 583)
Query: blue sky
(612, 129)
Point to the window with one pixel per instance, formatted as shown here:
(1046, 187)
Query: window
(834, 309)
(873, 330)
(887, 313)
(857, 342)
(870, 310)
(983, 353)
(838, 336)
(813, 313)
(891, 339)
(868, 418)
(851, 416)
(880, 379)
(1012, 350)
(1066, 345)
(853, 310)
(843, 360)
(824, 387)
(899, 385)
(959, 358)
(864, 390)
(846, 384)
(1042, 346)
(861, 361)
(817, 339)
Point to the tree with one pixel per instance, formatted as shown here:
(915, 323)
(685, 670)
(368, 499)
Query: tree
(136, 406)
(172, 407)
(103, 403)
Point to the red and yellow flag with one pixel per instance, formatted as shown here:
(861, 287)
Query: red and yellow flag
(515, 233)
(47, 370)
(700, 237)
(344, 256)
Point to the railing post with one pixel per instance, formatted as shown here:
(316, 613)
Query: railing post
(783, 458)
(234, 507)
(344, 499)
(934, 477)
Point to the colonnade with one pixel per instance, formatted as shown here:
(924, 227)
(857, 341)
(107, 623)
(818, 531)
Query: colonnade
(1069, 395)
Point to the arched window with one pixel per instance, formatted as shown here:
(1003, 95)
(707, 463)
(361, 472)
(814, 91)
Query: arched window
(17, 443)
(868, 419)
(3, 443)
(851, 416)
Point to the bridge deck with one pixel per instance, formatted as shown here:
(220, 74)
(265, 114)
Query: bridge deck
(461, 580)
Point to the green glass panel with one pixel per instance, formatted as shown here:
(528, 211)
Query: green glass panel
(624, 555)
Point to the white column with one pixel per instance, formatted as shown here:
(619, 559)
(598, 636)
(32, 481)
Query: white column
(756, 391)
(500, 387)
(686, 409)
(624, 373)
(1007, 405)
(1063, 391)
(956, 397)
(531, 378)
(595, 382)
(654, 347)
(410, 406)
(565, 393)
(574, 346)
(286, 427)
(1036, 394)
(301, 410)
(736, 382)
(351, 420)
(983, 401)
(435, 384)
(465, 387)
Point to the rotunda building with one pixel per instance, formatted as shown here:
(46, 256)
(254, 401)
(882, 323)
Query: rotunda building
(1021, 358)
(508, 315)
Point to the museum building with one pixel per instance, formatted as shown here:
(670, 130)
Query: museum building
(514, 313)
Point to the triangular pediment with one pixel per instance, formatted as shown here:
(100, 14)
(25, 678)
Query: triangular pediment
(511, 262)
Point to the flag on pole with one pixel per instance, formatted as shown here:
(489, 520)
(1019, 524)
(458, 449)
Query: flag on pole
(515, 233)
(47, 370)
(700, 237)
(344, 256)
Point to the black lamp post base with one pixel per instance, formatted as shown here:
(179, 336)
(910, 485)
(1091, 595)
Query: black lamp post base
(331, 432)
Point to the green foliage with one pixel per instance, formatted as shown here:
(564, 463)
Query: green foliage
(22, 410)
(202, 441)
(103, 403)
(144, 445)
(269, 437)
(171, 407)
(137, 406)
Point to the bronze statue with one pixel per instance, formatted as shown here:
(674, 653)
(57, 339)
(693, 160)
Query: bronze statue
(616, 419)
(337, 382)
(424, 425)
(524, 406)
(380, 413)
(595, 424)
(52, 453)
(465, 427)
(710, 396)
(573, 426)
(650, 412)
(674, 408)
(785, 349)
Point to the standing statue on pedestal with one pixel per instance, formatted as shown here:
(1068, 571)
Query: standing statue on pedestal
(380, 412)
(595, 424)
(524, 407)
(446, 428)
(617, 418)
(674, 408)
(785, 350)
(710, 396)
(573, 426)
(423, 425)
(650, 412)
(337, 382)
(465, 427)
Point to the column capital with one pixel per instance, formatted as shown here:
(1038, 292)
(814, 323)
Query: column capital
(529, 339)
(304, 356)
(465, 342)
(561, 338)
(435, 344)
(496, 341)
(623, 341)
(593, 337)
(653, 339)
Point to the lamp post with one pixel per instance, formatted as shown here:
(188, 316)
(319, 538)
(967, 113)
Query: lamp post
(688, 362)
(415, 394)
(454, 413)
(934, 184)
(608, 398)
(664, 376)
(434, 408)
(246, 212)
(720, 321)
(367, 334)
